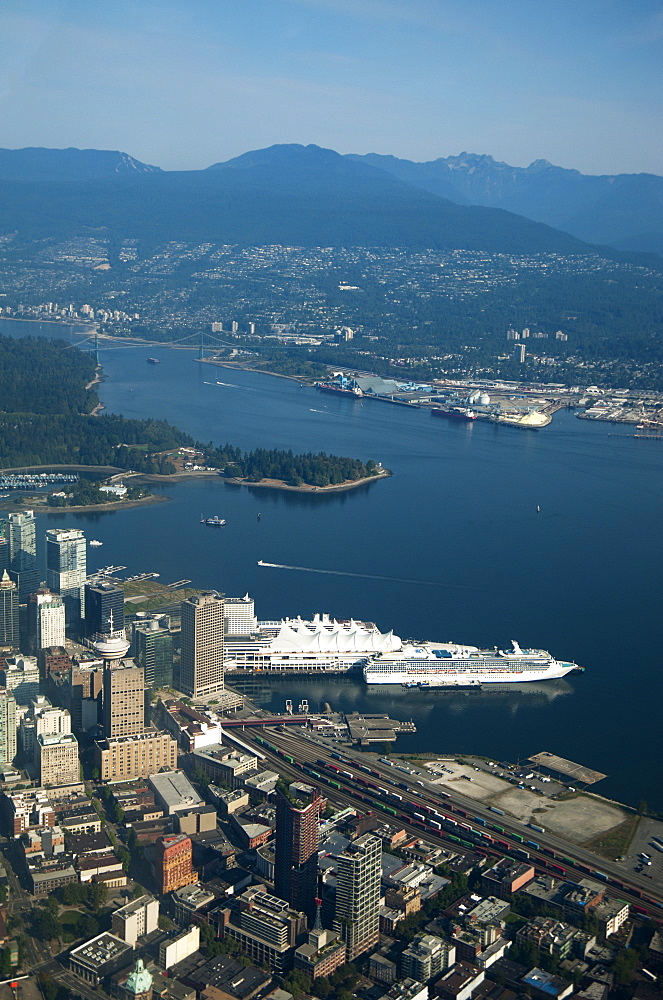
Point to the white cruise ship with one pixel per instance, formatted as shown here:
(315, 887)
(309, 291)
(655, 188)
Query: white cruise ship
(441, 665)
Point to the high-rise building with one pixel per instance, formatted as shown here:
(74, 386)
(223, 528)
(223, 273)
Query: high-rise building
(153, 651)
(136, 919)
(46, 620)
(298, 810)
(126, 757)
(23, 553)
(201, 664)
(123, 701)
(519, 351)
(4, 548)
(264, 927)
(42, 719)
(357, 912)
(66, 570)
(239, 615)
(7, 726)
(9, 622)
(57, 759)
(103, 600)
(174, 862)
(21, 677)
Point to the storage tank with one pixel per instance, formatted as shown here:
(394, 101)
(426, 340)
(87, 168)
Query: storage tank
(484, 399)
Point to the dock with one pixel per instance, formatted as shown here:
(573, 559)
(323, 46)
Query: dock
(367, 729)
(578, 772)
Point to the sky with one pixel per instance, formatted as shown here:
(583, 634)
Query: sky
(186, 83)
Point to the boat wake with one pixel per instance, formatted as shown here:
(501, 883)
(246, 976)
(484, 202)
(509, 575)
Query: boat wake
(364, 576)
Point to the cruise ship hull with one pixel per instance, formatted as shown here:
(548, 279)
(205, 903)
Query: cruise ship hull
(447, 666)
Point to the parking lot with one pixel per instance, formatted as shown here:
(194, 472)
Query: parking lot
(523, 796)
(643, 843)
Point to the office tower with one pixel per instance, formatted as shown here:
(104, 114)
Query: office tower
(126, 757)
(23, 553)
(136, 919)
(124, 701)
(7, 726)
(46, 620)
(102, 600)
(42, 719)
(239, 615)
(66, 570)
(56, 757)
(153, 651)
(264, 927)
(174, 862)
(298, 812)
(519, 351)
(21, 677)
(357, 913)
(9, 624)
(201, 664)
(4, 549)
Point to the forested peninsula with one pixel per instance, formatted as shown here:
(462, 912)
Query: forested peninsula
(48, 417)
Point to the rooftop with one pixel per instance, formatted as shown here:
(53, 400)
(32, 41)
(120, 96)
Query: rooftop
(175, 789)
(100, 950)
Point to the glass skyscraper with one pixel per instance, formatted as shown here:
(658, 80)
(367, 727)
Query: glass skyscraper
(66, 570)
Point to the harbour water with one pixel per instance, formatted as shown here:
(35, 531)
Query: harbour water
(451, 547)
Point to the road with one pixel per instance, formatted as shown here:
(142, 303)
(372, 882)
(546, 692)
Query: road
(37, 953)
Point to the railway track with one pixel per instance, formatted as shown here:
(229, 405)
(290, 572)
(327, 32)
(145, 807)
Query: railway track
(353, 779)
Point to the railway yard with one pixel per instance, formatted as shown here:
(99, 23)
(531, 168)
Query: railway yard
(434, 806)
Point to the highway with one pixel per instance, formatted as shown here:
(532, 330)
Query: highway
(368, 784)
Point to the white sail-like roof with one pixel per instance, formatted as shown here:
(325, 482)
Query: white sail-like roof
(325, 635)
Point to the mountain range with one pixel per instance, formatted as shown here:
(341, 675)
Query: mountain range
(622, 210)
(307, 195)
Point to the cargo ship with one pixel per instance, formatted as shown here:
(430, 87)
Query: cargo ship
(339, 390)
(455, 413)
(445, 665)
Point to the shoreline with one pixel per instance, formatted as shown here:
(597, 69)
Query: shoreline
(99, 508)
(87, 327)
(280, 484)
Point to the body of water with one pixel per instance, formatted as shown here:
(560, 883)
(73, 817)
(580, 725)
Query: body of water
(450, 548)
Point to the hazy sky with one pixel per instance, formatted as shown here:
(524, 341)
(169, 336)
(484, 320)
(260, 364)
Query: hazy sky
(185, 83)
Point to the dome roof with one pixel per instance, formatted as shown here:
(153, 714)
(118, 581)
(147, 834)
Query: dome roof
(140, 980)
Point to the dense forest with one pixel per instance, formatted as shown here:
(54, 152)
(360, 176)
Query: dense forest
(297, 470)
(42, 376)
(65, 439)
(45, 420)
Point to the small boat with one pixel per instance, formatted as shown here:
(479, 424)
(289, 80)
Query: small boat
(213, 522)
(538, 509)
(259, 516)
(153, 361)
(95, 543)
(260, 562)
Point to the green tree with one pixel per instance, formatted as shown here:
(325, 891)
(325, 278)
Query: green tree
(46, 926)
(97, 895)
(5, 963)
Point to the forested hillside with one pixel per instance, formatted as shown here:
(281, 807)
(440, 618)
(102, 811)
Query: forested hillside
(45, 420)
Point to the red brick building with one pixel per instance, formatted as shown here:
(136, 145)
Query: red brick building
(174, 862)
